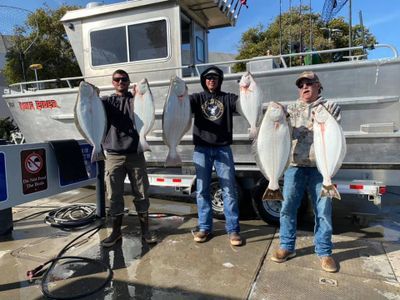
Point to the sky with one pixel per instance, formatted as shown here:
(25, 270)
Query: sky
(380, 17)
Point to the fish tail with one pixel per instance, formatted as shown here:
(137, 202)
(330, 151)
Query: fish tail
(145, 145)
(173, 158)
(272, 195)
(97, 155)
(253, 133)
(330, 191)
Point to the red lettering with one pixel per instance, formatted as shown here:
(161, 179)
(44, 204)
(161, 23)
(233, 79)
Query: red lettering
(26, 105)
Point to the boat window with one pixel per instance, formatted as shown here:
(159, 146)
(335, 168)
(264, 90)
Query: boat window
(148, 40)
(104, 52)
(200, 50)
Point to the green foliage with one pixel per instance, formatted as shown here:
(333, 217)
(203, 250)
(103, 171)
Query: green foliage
(7, 126)
(300, 32)
(51, 47)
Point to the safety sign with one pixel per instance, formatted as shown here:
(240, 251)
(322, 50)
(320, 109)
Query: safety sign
(3, 179)
(33, 169)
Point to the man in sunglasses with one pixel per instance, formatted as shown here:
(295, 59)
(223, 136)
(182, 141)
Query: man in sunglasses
(212, 136)
(302, 175)
(124, 157)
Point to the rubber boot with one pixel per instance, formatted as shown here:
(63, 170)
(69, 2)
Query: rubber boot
(116, 233)
(148, 236)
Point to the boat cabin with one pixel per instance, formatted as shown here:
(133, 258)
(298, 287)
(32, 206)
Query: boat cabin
(158, 37)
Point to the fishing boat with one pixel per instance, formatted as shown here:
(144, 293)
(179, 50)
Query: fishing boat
(158, 39)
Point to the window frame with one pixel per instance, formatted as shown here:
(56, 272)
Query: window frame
(126, 25)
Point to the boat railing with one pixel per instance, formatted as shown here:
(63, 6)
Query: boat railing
(195, 70)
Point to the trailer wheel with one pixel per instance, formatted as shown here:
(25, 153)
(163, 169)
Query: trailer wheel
(269, 211)
(217, 201)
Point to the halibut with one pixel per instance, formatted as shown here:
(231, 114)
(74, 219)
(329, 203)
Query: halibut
(144, 112)
(329, 147)
(176, 119)
(250, 100)
(272, 149)
(90, 118)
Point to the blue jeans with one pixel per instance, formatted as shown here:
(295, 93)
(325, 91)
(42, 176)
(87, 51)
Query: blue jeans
(296, 180)
(221, 158)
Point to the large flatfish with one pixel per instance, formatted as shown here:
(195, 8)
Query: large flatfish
(176, 119)
(329, 147)
(90, 118)
(250, 101)
(144, 111)
(272, 148)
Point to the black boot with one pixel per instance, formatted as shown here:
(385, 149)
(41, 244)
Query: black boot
(116, 233)
(148, 236)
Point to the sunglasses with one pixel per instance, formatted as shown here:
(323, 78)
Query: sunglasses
(306, 83)
(119, 79)
(212, 77)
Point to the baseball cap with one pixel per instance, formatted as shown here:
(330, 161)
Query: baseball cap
(212, 72)
(307, 75)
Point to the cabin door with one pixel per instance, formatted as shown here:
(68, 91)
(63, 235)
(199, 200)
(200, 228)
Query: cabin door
(193, 46)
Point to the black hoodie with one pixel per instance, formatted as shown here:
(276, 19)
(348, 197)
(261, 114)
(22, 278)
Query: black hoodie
(213, 113)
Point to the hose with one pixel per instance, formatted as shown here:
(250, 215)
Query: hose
(68, 217)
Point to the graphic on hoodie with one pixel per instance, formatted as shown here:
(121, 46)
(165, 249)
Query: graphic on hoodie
(212, 109)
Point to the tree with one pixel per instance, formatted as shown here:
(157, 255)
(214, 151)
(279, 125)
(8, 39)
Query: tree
(299, 36)
(50, 49)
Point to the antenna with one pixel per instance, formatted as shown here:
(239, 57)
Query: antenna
(12, 31)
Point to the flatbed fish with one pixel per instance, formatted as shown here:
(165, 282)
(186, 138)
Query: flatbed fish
(90, 118)
(144, 112)
(250, 101)
(329, 147)
(272, 149)
(176, 119)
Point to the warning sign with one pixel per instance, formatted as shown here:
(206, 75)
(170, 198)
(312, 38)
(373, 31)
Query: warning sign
(34, 172)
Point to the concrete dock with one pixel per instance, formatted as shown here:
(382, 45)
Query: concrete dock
(366, 246)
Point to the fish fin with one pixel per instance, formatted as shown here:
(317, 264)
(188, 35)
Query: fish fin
(330, 191)
(272, 195)
(173, 159)
(253, 133)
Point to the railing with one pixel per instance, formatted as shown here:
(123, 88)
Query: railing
(69, 81)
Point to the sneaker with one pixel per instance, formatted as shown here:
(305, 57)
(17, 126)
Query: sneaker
(328, 264)
(282, 255)
(111, 240)
(201, 236)
(235, 239)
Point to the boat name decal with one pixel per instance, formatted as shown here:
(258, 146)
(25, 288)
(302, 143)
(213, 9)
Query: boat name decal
(38, 105)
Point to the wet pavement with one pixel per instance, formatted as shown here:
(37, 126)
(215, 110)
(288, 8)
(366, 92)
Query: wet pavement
(366, 245)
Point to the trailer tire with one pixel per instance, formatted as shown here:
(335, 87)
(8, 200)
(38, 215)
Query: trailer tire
(216, 199)
(269, 211)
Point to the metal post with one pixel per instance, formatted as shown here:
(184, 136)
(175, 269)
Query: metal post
(350, 28)
(6, 220)
(100, 191)
(280, 27)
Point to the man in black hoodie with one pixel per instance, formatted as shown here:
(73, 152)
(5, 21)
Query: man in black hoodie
(124, 157)
(212, 136)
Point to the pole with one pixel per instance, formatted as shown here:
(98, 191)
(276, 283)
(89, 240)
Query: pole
(100, 191)
(280, 27)
(290, 33)
(350, 28)
(311, 28)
